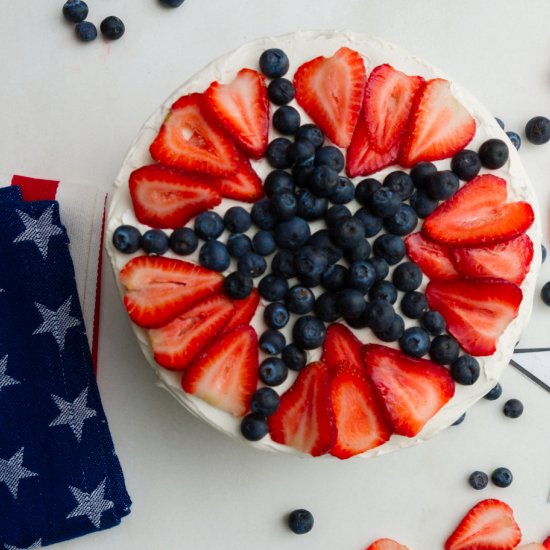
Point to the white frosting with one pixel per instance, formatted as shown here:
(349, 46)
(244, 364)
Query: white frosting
(301, 47)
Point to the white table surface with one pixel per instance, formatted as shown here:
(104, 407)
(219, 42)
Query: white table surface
(70, 111)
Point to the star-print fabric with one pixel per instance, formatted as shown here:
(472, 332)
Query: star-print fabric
(59, 475)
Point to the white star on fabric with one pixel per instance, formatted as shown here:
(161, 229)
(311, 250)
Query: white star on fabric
(5, 379)
(36, 544)
(57, 322)
(73, 414)
(91, 505)
(38, 231)
(12, 472)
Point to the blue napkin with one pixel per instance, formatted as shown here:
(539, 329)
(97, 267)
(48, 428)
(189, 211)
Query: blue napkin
(59, 475)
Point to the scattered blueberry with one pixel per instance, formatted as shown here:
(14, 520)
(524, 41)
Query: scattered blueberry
(238, 286)
(300, 521)
(262, 216)
(465, 370)
(264, 243)
(499, 122)
(301, 152)
(299, 299)
(379, 315)
(323, 181)
(344, 192)
(112, 28)
(381, 267)
(493, 154)
(252, 264)
(312, 133)
(414, 304)
(278, 181)
(545, 293)
(309, 332)
(208, 225)
(286, 120)
(334, 278)
(276, 153)
(276, 315)
(237, 220)
(433, 322)
(442, 185)
(365, 188)
(359, 253)
(127, 239)
(459, 420)
(402, 222)
(284, 206)
(383, 290)
(238, 245)
(280, 91)
(75, 11)
(292, 234)
(444, 349)
(407, 276)
(361, 276)
(85, 31)
(310, 206)
(394, 332)
(265, 401)
(274, 63)
(423, 204)
(389, 247)
(502, 477)
(466, 164)
(421, 172)
(254, 427)
(415, 341)
(495, 393)
(348, 233)
(214, 255)
(383, 202)
(171, 3)
(537, 130)
(478, 480)
(327, 307)
(336, 213)
(513, 408)
(294, 357)
(273, 288)
(272, 342)
(310, 264)
(283, 264)
(183, 241)
(330, 156)
(515, 139)
(320, 240)
(400, 183)
(154, 241)
(543, 251)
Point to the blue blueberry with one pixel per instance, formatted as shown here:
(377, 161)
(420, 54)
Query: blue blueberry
(334, 277)
(361, 276)
(238, 245)
(348, 233)
(300, 521)
(381, 267)
(379, 315)
(112, 28)
(281, 91)
(351, 303)
(442, 185)
(459, 420)
(273, 371)
(237, 220)
(415, 341)
(543, 252)
(495, 393)
(365, 188)
(394, 332)
(465, 370)
(238, 286)
(252, 265)
(400, 183)
(383, 290)
(444, 349)
(414, 305)
(390, 248)
(402, 222)
(294, 357)
(254, 427)
(286, 120)
(278, 181)
(265, 401)
(273, 287)
(502, 477)
(310, 264)
(371, 223)
(421, 172)
(466, 164)
(127, 239)
(272, 342)
(336, 213)
(515, 139)
(301, 152)
(292, 234)
(301, 174)
(264, 243)
(545, 293)
(262, 215)
(310, 206)
(299, 299)
(154, 241)
(208, 225)
(85, 31)
(330, 156)
(284, 206)
(282, 264)
(276, 315)
(214, 255)
(312, 133)
(321, 240)
(309, 332)
(274, 63)
(407, 276)
(513, 408)
(537, 130)
(277, 153)
(423, 204)
(323, 181)
(493, 153)
(75, 11)
(344, 192)
(358, 253)
(383, 202)
(499, 122)
(433, 322)
(327, 307)
(184, 241)
(478, 480)
(171, 3)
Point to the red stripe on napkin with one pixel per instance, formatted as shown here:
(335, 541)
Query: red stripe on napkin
(35, 189)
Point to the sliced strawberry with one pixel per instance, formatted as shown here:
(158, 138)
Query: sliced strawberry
(226, 373)
(434, 259)
(242, 108)
(478, 214)
(546, 543)
(188, 139)
(244, 310)
(489, 525)
(361, 420)
(330, 89)
(158, 289)
(242, 185)
(341, 347)
(165, 197)
(531, 546)
(386, 544)
(389, 96)
(509, 260)
(304, 419)
(439, 126)
(477, 311)
(412, 390)
(178, 343)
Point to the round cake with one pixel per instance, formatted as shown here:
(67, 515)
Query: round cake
(440, 239)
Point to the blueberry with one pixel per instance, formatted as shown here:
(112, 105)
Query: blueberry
(238, 245)
(312, 133)
(384, 202)
(323, 181)
(344, 192)
(383, 290)
(402, 222)
(127, 239)
(294, 357)
(274, 63)
(272, 342)
(264, 243)
(292, 234)
(237, 220)
(478, 480)
(273, 288)
(513, 408)
(379, 315)
(389, 247)
(276, 153)
(310, 206)
(365, 188)
(112, 28)
(310, 264)
(265, 401)
(183, 241)
(348, 233)
(278, 181)
(351, 303)
(326, 307)
(493, 153)
(276, 315)
(545, 293)
(394, 332)
(300, 521)
(502, 477)
(75, 11)
(283, 264)
(381, 267)
(238, 286)
(286, 119)
(442, 185)
(407, 276)
(495, 393)
(299, 299)
(361, 275)
(252, 265)
(262, 215)
(444, 349)
(400, 183)
(433, 322)
(336, 213)
(213, 255)
(330, 156)
(423, 204)
(254, 427)
(301, 174)
(359, 253)
(499, 122)
(154, 241)
(171, 3)
(309, 332)
(543, 252)
(466, 164)
(421, 172)
(301, 152)
(515, 139)
(334, 277)
(465, 370)
(208, 225)
(414, 304)
(459, 420)
(415, 341)
(280, 91)
(284, 206)
(537, 130)
(320, 240)
(85, 31)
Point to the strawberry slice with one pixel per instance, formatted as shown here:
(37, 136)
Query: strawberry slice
(178, 343)
(244, 310)
(386, 544)
(477, 311)
(434, 259)
(531, 546)
(546, 543)
(389, 97)
(226, 373)
(242, 185)
(413, 390)
(158, 289)
(439, 127)
(189, 140)
(509, 260)
(478, 214)
(361, 420)
(304, 419)
(242, 108)
(165, 197)
(341, 347)
(331, 89)
(489, 525)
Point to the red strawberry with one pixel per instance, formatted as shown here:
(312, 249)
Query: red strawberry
(304, 419)
(242, 185)
(477, 311)
(546, 543)
(361, 420)
(165, 197)
(330, 89)
(189, 140)
(389, 97)
(177, 344)
(478, 214)
(244, 310)
(489, 525)
(226, 373)
(242, 108)
(439, 127)
(509, 260)
(341, 347)
(413, 390)
(531, 546)
(434, 259)
(386, 544)
(158, 289)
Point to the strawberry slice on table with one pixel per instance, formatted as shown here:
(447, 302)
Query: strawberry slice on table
(478, 214)
(412, 390)
(477, 311)
(341, 347)
(439, 126)
(509, 260)
(546, 543)
(435, 260)
(189, 140)
(242, 185)
(304, 419)
(158, 289)
(361, 420)
(489, 525)
(242, 108)
(244, 310)
(330, 90)
(226, 373)
(389, 96)
(165, 197)
(177, 344)
(386, 544)
(531, 546)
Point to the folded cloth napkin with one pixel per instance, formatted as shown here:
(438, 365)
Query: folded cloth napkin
(59, 475)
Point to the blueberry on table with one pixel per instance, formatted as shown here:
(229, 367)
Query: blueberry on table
(310, 206)
(334, 277)
(112, 28)
(171, 3)
(502, 477)
(444, 349)
(238, 245)
(309, 332)
(272, 342)
(262, 215)
(237, 220)
(403, 222)
(301, 152)
(407, 276)
(383, 202)
(273, 371)
(513, 408)
(466, 164)
(383, 290)
(327, 308)
(299, 299)
(127, 239)
(465, 370)
(361, 276)
(85, 31)
(400, 183)
(358, 253)
(320, 240)
(330, 156)
(292, 234)
(254, 427)
(499, 122)
(442, 185)
(208, 225)
(274, 63)
(284, 206)
(265, 401)
(75, 11)
(394, 332)
(390, 248)
(154, 241)
(238, 286)
(273, 287)
(300, 521)
(423, 204)
(282, 264)
(415, 341)
(281, 91)
(336, 213)
(381, 267)
(478, 480)
(545, 293)
(323, 181)
(515, 139)
(348, 233)
(294, 357)
(537, 130)
(433, 322)
(380, 316)
(278, 181)
(543, 253)
(495, 393)
(184, 241)
(344, 192)
(277, 153)
(459, 420)
(420, 173)
(414, 304)
(301, 174)
(214, 255)
(351, 303)
(312, 133)
(276, 315)
(264, 243)
(365, 188)
(310, 264)
(493, 154)
(252, 265)
(286, 119)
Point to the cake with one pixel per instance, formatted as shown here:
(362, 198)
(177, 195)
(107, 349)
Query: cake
(479, 250)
